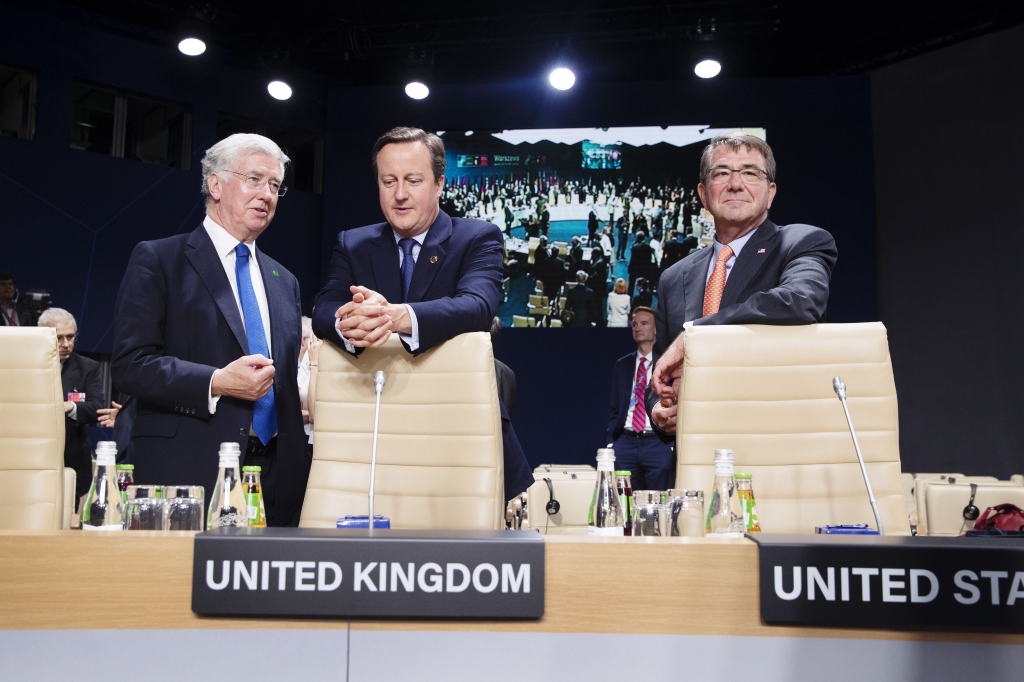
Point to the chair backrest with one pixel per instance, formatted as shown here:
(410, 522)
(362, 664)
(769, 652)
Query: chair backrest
(31, 430)
(439, 453)
(942, 511)
(523, 321)
(766, 393)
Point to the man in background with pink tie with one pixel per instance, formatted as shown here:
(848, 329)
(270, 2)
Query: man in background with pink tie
(638, 449)
(757, 273)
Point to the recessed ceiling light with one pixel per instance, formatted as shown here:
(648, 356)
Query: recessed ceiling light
(417, 90)
(708, 68)
(562, 79)
(279, 90)
(193, 47)
(468, 133)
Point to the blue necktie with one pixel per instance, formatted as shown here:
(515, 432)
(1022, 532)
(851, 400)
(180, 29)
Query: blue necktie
(407, 266)
(264, 414)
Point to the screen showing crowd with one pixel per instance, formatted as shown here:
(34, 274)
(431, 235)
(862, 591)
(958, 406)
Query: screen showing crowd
(591, 216)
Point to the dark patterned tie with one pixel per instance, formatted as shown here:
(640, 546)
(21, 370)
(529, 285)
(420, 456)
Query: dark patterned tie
(407, 266)
(639, 408)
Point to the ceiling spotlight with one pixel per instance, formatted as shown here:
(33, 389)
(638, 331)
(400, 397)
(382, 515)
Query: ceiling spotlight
(562, 79)
(279, 90)
(468, 133)
(708, 68)
(417, 90)
(193, 47)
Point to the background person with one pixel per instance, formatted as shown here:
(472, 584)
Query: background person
(11, 314)
(618, 305)
(82, 387)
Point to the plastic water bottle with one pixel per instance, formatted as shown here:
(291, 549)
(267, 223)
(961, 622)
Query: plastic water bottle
(725, 514)
(227, 506)
(606, 516)
(102, 509)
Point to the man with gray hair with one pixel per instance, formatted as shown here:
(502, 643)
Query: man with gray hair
(207, 335)
(757, 273)
(82, 388)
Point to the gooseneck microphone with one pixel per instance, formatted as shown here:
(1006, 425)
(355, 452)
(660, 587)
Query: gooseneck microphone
(378, 387)
(840, 389)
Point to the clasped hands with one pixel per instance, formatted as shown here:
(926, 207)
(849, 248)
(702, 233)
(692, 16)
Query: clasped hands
(665, 382)
(368, 320)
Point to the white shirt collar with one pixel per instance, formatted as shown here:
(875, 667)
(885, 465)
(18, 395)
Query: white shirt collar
(736, 244)
(418, 238)
(645, 357)
(222, 241)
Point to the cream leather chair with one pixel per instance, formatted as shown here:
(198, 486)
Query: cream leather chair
(31, 430)
(941, 505)
(439, 452)
(766, 393)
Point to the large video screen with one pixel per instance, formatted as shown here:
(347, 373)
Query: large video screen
(591, 216)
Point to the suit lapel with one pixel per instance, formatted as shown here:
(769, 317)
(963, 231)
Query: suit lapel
(206, 261)
(754, 255)
(694, 281)
(431, 257)
(386, 271)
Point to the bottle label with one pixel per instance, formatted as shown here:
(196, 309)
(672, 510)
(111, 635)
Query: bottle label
(612, 531)
(750, 520)
(255, 510)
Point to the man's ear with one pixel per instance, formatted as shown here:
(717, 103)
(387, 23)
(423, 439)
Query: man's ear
(701, 192)
(214, 186)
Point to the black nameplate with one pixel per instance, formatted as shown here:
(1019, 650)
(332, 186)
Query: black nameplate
(349, 572)
(892, 583)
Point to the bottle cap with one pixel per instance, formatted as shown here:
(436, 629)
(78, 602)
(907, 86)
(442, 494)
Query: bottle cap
(106, 453)
(724, 454)
(252, 469)
(623, 473)
(230, 449)
(125, 467)
(606, 459)
(746, 476)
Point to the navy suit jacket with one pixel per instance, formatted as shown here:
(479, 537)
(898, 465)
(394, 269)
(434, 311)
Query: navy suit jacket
(456, 284)
(456, 288)
(622, 391)
(175, 322)
(80, 374)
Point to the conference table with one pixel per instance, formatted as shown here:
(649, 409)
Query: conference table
(645, 608)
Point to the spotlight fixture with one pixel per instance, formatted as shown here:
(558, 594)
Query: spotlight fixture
(468, 133)
(193, 47)
(417, 90)
(562, 79)
(709, 68)
(279, 90)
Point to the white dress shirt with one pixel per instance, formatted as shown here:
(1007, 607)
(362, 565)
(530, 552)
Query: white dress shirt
(412, 339)
(225, 245)
(632, 393)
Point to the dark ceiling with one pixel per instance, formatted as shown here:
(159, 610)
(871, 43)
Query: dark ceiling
(381, 42)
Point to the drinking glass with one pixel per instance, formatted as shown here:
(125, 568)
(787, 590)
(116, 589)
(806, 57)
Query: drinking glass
(183, 507)
(144, 513)
(152, 491)
(686, 512)
(651, 519)
(647, 497)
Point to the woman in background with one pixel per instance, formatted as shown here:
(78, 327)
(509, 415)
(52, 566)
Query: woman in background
(618, 305)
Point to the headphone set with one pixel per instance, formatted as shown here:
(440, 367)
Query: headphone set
(553, 506)
(971, 512)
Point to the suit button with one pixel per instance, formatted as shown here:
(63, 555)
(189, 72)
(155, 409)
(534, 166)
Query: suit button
(242, 433)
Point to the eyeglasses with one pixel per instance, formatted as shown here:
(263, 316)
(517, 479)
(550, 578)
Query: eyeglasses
(255, 182)
(720, 175)
(70, 338)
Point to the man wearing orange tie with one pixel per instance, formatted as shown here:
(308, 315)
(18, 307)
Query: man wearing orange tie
(757, 273)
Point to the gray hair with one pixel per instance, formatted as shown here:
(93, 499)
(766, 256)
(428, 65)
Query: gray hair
(224, 154)
(307, 327)
(737, 140)
(401, 134)
(51, 317)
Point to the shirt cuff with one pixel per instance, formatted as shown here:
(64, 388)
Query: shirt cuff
(348, 346)
(211, 401)
(73, 414)
(412, 339)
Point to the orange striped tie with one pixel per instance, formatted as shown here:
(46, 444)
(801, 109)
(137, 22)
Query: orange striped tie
(716, 285)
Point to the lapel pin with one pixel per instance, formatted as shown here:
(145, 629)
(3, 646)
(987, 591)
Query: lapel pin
(277, 275)
(433, 259)
(759, 251)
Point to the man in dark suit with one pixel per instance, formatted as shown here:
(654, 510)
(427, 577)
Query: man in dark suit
(11, 314)
(422, 275)
(637, 448)
(82, 387)
(207, 335)
(757, 272)
(674, 250)
(641, 260)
